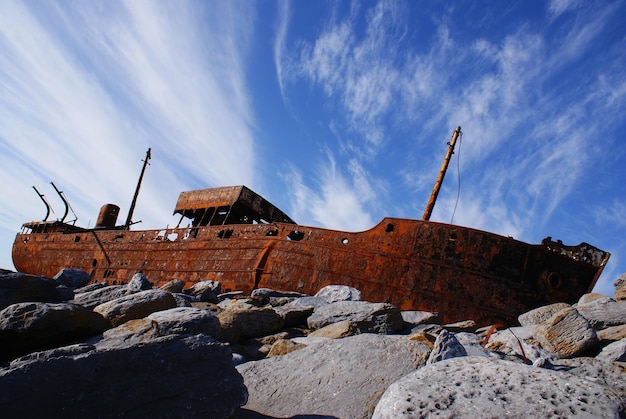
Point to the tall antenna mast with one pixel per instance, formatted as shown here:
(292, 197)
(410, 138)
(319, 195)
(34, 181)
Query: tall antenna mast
(132, 205)
(433, 197)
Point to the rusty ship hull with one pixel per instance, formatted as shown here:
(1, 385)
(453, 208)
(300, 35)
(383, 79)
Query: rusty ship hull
(459, 272)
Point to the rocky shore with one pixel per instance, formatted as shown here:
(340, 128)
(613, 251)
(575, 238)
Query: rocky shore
(69, 349)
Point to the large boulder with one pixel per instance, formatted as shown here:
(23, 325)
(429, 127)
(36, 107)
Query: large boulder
(541, 314)
(485, 387)
(242, 320)
(166, 377)
(100, 295)
(135, 306)
(567, 334)
(308, 301)
(29, 327)
(334, 293)
(603, 313)
(72, 278)
(182, 321)
(138, 283)
(339, 377)
(206, 291)
(16, 287)
(294, 315)
(368, 317)
(174, 286)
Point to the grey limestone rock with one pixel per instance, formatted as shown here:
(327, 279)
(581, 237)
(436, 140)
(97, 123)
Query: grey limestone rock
(337, 330)
(603, 313)
(314, 302)
(270, 293)
(135, 306)
(17, 287)
(369, 317)
(567, 334)
(610, 374)
(244, 320)
(334, 293)
(614, 352)
(206, 291)
(419, 317)
(540, 314)
(446, 346)
(73, 278)
(519, 343)
(174, 286)
(138, 283)
(181, 321)
(484, 387)
(339, 377)
(294, 315)
(28, 327)
(91, 299)
(166, 377)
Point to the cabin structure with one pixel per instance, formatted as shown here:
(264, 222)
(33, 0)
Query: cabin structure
(228, 205)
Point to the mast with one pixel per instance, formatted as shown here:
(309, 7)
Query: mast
(45, 201)
(67, 205)
(132, 205)
(433, 197)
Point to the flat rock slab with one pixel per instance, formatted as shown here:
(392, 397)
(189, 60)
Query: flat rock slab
(73, 278)
(540, 314)
(168, 377)
(182, 321)
(135, 306)
(17, 287)
(603, 313)
(339, 377)
(482, 387)
(368, 317)
(245, 321)
(93, 298)
(28, 327)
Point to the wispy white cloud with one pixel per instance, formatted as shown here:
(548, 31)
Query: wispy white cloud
(87, 88)
(557, 7)
(280, 40)
(528, 145)
(337, 202)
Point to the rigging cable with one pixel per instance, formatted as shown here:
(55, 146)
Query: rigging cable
(458, 172)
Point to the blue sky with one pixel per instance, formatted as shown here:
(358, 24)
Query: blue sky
(337, 112)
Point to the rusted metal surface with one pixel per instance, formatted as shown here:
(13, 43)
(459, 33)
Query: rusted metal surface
(227, 205)
(459, 272)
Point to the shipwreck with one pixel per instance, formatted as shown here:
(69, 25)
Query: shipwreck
(240, 239)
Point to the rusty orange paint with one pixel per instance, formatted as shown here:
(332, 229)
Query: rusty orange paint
(459, 272)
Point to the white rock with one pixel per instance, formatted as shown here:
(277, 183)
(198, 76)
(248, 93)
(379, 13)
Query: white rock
(541, 314)
(603, 313)
(419, 317)
(334, 293)
(614, 352)
(368, 317)
(478, 387)
(340, 378)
